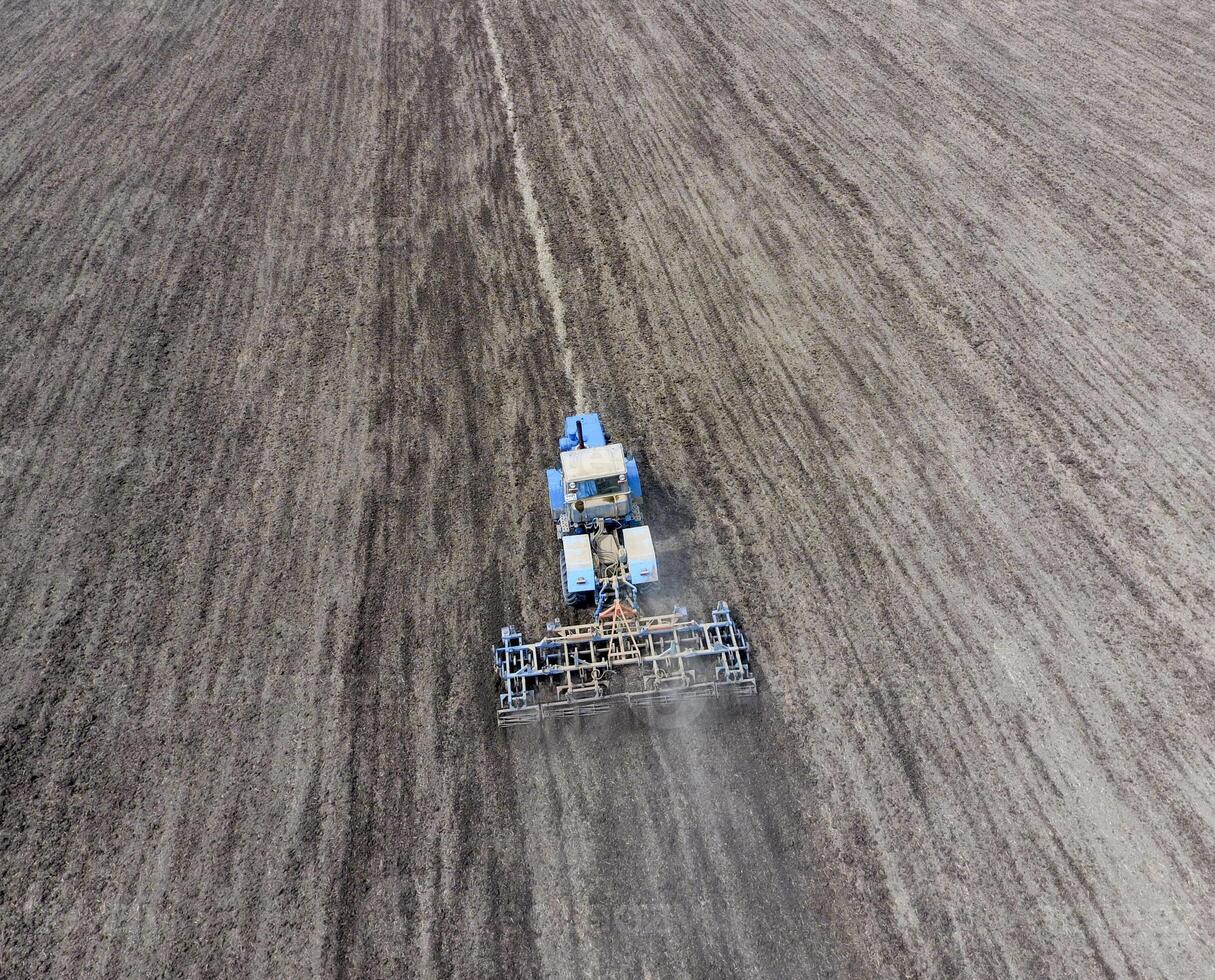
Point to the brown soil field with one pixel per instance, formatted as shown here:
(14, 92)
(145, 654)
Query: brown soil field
(909, 311)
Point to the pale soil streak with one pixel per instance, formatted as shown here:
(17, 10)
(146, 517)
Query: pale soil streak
(531, 212)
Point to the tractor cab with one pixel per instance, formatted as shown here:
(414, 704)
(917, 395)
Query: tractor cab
(595, 483)
(596, 480)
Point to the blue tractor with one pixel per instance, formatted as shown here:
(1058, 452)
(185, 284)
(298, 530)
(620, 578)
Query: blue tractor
(595, 497)
(607, 560)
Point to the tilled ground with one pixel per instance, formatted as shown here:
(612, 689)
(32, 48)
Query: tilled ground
(908, 310)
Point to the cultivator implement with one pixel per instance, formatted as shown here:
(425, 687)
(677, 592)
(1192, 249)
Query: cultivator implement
(622, 657)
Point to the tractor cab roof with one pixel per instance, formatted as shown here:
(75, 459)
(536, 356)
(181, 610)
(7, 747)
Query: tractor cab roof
(592, 464)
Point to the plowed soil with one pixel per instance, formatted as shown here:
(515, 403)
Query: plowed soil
(908, 311)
